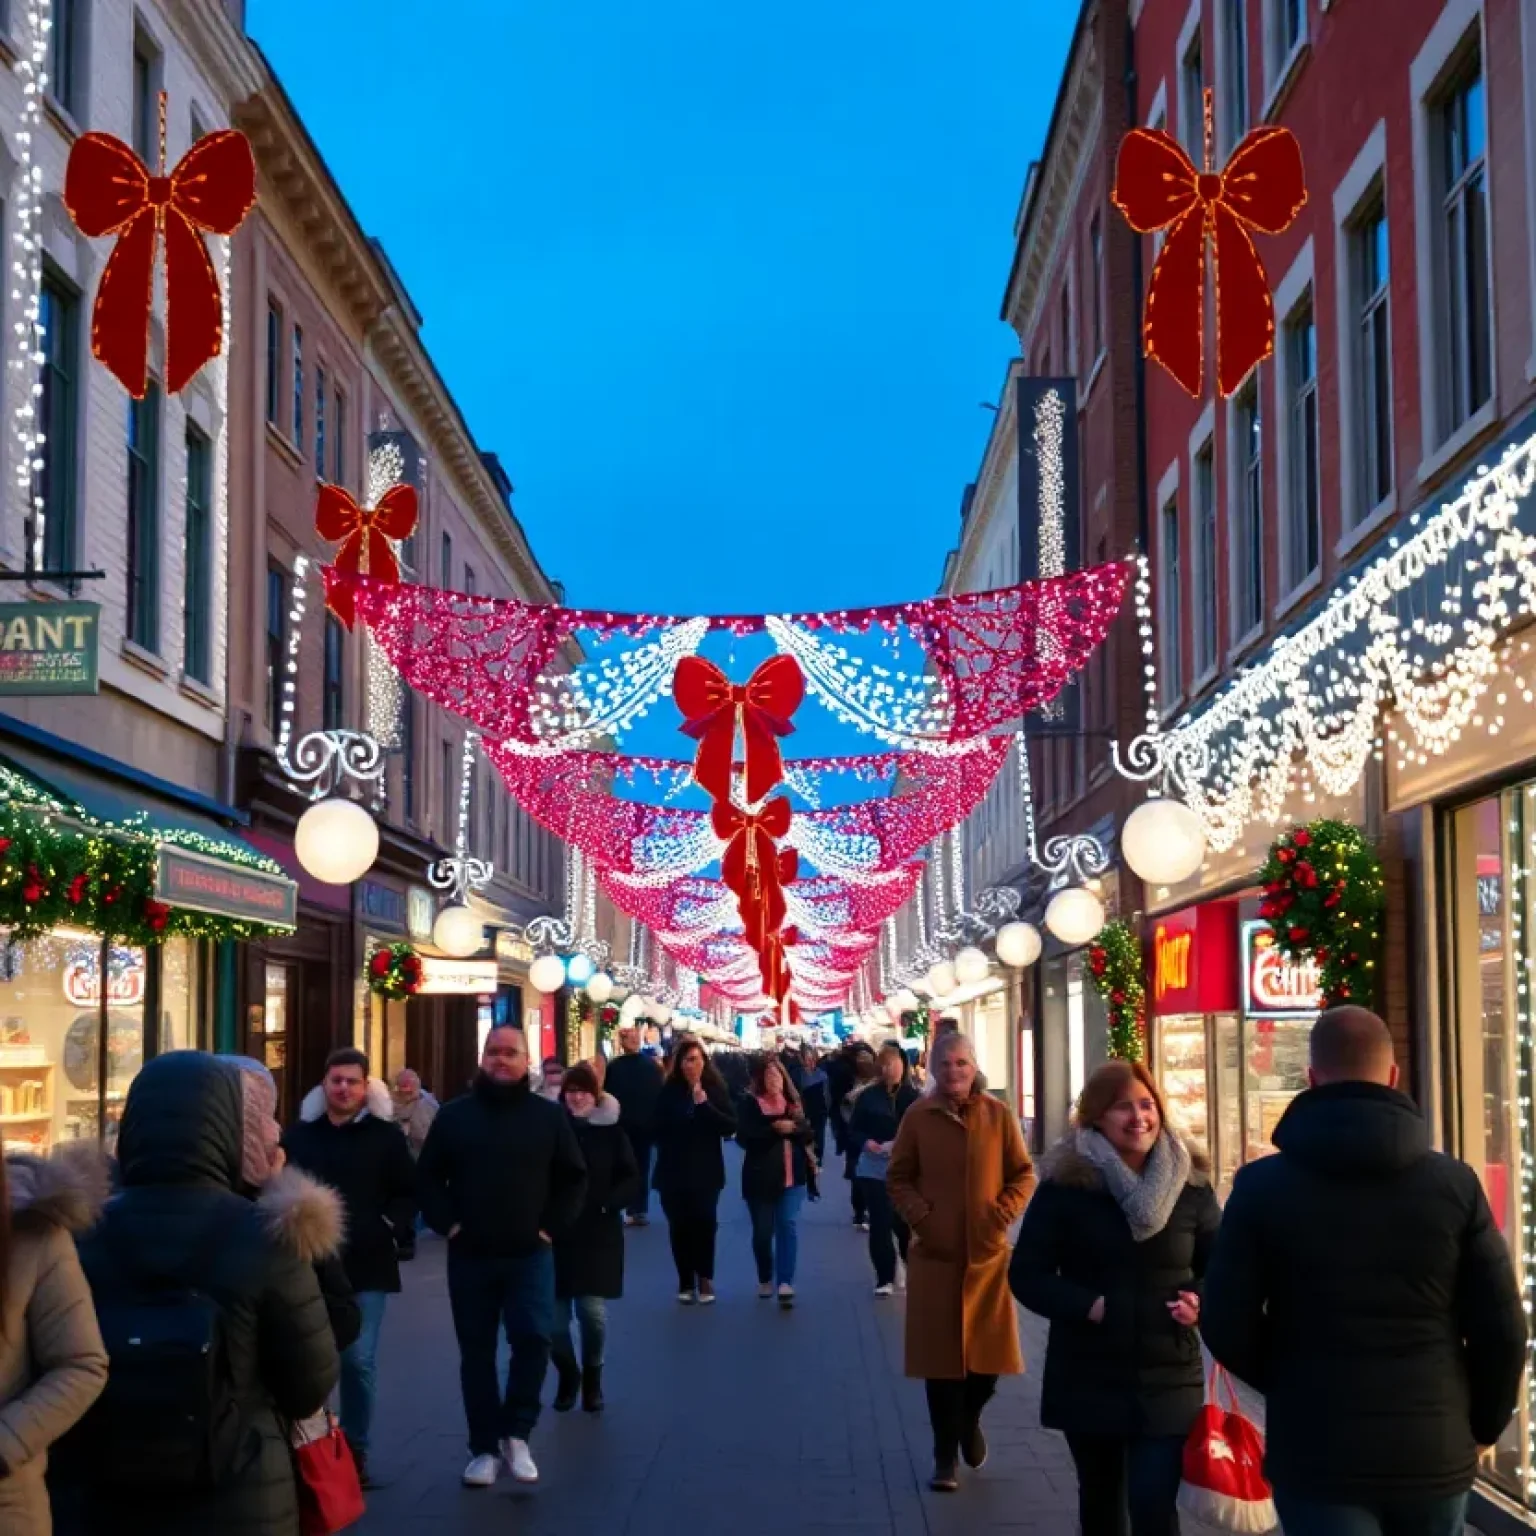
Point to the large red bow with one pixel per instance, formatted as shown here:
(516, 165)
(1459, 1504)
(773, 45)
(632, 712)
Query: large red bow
(109, 191)
(359, 529)
(712, 705)
(1262, 187)
(749, 865)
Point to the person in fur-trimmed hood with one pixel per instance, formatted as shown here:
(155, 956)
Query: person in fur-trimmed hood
(1113, 1250)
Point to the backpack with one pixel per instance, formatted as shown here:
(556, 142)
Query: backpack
(169, 1418)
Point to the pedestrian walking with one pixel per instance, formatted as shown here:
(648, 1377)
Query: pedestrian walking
(502, 1178)
(346, 1137)
(878, 1110)
(635, 1080)
(589, 1254)
(53, 1364)
(791, 1063)
(1112, 1251)
(551, 1074)
(864, 1072)
(1360, 1284)
(415, 1109)
(839, 1069)
(694, 1116)
(216, 1329)
(775, 1136)
(959, 1177)
(815, 1096)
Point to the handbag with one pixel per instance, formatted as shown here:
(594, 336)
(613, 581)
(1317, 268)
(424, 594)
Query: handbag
(1224, 1482)
(330, 1491)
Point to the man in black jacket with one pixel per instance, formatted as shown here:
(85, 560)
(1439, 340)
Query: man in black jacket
(1359, 1282)
(635, 1081)
(501, 1177)
(346, 1137)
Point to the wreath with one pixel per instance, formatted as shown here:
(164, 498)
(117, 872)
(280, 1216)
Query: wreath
(394, 972)
(1115, 968)
(918, 1022)
(1324, 895)
(607, 1015)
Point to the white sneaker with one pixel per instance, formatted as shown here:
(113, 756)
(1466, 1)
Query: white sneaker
(884, 1290)
(482, 1472)
(687, 1297)
(519, 1462)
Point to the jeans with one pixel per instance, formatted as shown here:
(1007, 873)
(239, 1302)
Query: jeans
(1404, 1517)
(1133, 1476)
(591, 1314)
(888, 1233)
(691, 1224)
(487, 1294)
(952, 1407)
(644, 1145)
(775, 1238)
(359, 1374)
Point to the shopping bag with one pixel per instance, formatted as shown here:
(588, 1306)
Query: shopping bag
(330, 1492)
(1224, 1481)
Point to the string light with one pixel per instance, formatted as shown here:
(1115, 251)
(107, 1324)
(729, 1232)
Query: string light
(28, 357)
(386, 691)
(1518, 896)
(1050, 417)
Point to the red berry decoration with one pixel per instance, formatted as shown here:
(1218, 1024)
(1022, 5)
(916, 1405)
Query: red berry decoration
(1115, 966)
(395, 973)
(1301, 838)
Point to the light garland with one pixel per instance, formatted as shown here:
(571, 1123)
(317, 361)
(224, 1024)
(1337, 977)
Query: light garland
(1050, 418)
(462, 873)
(28, 356)
(386, 691)
(1519, 893)
(220, 568)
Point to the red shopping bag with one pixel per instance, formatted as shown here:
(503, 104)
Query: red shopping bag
(330, 1492)
(1224, 1467)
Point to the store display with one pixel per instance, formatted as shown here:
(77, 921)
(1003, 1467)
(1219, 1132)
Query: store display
(1182, 1068)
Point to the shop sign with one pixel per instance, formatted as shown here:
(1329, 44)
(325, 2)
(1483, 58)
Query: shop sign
(48, 648)
(456, 978)
(1194, 960)
(200, 884)
(381, 905)
(420, 913)
(1272, 985)
(125, 979)
(513, 949)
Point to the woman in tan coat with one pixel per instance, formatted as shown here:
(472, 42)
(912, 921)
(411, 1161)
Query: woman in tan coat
(52, 1363)
(959, 1177)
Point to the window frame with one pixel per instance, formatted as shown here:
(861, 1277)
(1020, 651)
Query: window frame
(1302, 466)
(340, 453)
(66, 72)
(1191, 60)
(296, 363)
(1096, 289)
(276, 330)
(197, 568)
(1245, 512)
(1234, 80)
(276, 642)
(61, 528)
(142, 601)
(1204, 553)
(144, 112)
(321, 401)
(1170, 594)
(333, 669)
(1456, 190)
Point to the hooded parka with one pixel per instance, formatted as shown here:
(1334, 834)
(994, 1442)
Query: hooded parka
(589, 1254)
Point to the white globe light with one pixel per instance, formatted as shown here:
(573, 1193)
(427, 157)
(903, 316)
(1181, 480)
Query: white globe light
(600, 988)
(972, 966)
(630, 1009)
(579, 969)
(905, 1001)
(648, 1007)
(1074, 915)
(1018, 944)
(941, 979)
(661, 1013)
(1163, 841)
(336, 841)
(547, 973)
(459, 932)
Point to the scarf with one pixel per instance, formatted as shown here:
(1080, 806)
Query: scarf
(774, 1108)
(1147, 1198)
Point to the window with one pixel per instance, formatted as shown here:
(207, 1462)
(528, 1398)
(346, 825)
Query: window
(1467, 383)
(1192, 96)
(277, 633)
(1234, 22)
(197, 585)
(1303, 512)
(146, 104)
(320, 399)
(1287, 32)
(1373, 361)
(144, 519)
(274, 359)
(408, 753)
(298, 386)
(59, 408)
(331, 697)
(1247, 513)
(1068, 340)
(1203, 516)
(450, 798)
(339, 426)
(64, 73)
(469, 580)
(445, 575)
(1101, 713)
(1170, 589)
(1096, 282)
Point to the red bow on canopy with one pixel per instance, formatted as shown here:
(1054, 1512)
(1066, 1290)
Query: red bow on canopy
(359, 529)
(774, 966)
(109, 191)
(712, 705)
(1262, 187)
(749, 865)
(763, 915)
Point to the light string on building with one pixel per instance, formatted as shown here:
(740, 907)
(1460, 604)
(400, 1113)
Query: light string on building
(1073, 857)
(27, 355)
(220, 568)
(1518, 898)
(386, 691)
(463, 872)
(1050, 469)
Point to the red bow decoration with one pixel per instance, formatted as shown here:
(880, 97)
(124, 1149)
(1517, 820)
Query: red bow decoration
(712, 705)
(1262, 187)
(359, 529)
(773, 965)
(110, 191)
(749, 865)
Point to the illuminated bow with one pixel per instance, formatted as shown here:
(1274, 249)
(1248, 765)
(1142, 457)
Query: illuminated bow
(763, 914)
(712, 706)
(360, 530)
(773, 965)
(109, 191)
(749, 866)
(1262, 187)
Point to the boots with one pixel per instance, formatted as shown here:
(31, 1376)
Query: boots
(569, 1383)
(592, 1388)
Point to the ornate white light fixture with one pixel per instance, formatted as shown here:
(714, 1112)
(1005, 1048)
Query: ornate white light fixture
(1075, 915)
(600, 988)
(336, 841)
(1018, 945)
(1163, 841)
(941, 979)
(459, 931)
(972, 966)
(547, 974)
(461, 874)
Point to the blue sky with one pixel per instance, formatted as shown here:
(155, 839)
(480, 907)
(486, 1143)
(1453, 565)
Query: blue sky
(716, 281)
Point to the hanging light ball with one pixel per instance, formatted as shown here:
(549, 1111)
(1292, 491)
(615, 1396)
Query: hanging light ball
(941, 979)
(1075, 915)
(1018, 945)
(1163, 841)
(600, 988)
(631, 1009)
(660, 1013)
(579, 970)
(972, 966)
(459, 932)
(547, 973)
(905, 1001)
(336, 841)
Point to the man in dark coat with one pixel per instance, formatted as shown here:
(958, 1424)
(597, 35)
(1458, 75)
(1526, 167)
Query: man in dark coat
(346, 1137)
(635, 1080)
(839, 1070)
(502, 1178)
(1359, 1282)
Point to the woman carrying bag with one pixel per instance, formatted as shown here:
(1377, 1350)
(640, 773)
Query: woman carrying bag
(776, 1138)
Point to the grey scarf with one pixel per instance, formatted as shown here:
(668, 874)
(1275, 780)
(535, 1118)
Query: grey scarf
(1147, 1198)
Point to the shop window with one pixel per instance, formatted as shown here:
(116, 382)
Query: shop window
(183, 995)
(281, 996)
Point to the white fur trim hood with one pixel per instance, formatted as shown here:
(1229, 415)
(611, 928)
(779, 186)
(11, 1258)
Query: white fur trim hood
(377, 1102)
(303, 1215)
(66, 1190)
(605, 1111)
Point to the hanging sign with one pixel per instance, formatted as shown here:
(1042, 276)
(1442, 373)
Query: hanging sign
(48, 648)
(189, 880)
(456, 978)
(1193, 960)
(1273, 987)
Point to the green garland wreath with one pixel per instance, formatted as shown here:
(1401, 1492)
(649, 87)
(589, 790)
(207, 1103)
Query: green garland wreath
(1115, 968)
(607, 1015)
(1324, 895)
(918, 1022)
(394, 972)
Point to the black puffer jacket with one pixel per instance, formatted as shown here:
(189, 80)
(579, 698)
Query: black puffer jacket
(589, 1255)
(1137, 1372)
(1359, 1282)
(635, 1081)
(179, 1154)
(689, 1137)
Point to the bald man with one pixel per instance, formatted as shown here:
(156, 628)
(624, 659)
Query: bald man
(1359, 1282)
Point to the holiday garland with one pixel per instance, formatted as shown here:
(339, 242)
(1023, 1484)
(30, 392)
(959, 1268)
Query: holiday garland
(1324, 896)
(1115, 967)
(607, 1015)
(394, 972)
(917, 1023)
